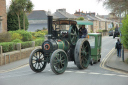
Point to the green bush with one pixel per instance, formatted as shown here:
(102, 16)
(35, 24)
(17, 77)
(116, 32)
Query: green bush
(17, 41)
(5, 37)
(26, 36)
(7, 46)
(39, 34)
(39, 42)
(26, 44)
(124, 32)
(99, 31)
(16, 36)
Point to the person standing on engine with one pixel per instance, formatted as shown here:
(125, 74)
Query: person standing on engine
(83, 32)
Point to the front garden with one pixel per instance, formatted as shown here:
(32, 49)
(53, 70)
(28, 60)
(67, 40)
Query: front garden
(9, 40)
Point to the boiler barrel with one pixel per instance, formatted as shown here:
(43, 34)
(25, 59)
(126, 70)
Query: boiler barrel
(65, 45)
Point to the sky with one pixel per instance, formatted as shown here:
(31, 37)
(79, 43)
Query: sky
(71, 6)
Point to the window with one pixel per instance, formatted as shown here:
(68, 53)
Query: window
(92, 41)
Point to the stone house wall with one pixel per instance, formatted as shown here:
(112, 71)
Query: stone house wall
(4, 16)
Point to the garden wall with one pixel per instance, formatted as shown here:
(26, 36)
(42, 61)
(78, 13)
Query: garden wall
(9, 57)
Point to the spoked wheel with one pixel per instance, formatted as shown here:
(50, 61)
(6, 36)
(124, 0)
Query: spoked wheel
(73, 35)
(37, 61)
(58, 61)
(82, 53)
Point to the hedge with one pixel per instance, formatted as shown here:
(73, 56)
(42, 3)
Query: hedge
(26, 44)
(11, 46)
(8, 46)
(26, 36)
(39, 42)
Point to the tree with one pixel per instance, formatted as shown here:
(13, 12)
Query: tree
(15, 8)
(27, 7)
(80, 18)
(12, 21)
(124, 32)
(116, 6)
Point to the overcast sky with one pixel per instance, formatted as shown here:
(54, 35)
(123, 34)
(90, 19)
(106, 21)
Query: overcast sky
(70, 5)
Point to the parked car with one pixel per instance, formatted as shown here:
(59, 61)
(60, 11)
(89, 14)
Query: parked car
(111, 33)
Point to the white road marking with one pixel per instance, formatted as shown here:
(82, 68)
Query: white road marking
(109, 74)
(68, 71)
(94, 73)
(80, 72)
(122, 75)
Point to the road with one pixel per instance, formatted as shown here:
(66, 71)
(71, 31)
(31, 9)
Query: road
(93, 75)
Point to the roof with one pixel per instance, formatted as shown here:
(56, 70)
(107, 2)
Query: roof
(64, 15)
(92, 18)
(37, 15)
(102, 19)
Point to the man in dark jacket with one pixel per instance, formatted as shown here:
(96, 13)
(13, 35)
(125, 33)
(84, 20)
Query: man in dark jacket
(82, 32)
(118, 47)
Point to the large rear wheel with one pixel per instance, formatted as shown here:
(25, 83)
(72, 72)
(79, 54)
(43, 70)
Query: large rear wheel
(37, 60)
(82, 53)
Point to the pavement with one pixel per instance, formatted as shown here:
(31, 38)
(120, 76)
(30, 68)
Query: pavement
(113, 62)
(117, 63)
(14, 65)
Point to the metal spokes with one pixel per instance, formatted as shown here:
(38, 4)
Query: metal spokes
(82, 53)
(37, 60)
(58, 61)
(73, 35)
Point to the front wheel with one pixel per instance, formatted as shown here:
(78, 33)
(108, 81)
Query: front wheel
(37, 60)
(58, 61)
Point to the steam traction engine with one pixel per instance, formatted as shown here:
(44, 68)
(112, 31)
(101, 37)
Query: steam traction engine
(62, 46)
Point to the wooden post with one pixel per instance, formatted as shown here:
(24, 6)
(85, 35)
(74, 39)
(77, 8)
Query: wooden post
(19, 48)
(33, 44)
(1, 52)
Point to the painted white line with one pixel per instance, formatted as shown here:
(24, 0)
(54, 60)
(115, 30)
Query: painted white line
(80, 72)
(94, 73)
(109, 74)
(68, 71)
(122, 75)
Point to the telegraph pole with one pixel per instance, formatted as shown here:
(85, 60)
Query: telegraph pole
(120, 36)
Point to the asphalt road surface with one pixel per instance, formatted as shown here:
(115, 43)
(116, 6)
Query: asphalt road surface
(93, 75)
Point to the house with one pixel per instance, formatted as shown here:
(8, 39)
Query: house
(62, 14)
(3, 16)
(37, 20)
(89, 17)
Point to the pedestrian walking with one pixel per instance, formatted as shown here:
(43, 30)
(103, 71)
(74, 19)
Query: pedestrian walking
(118, 47)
